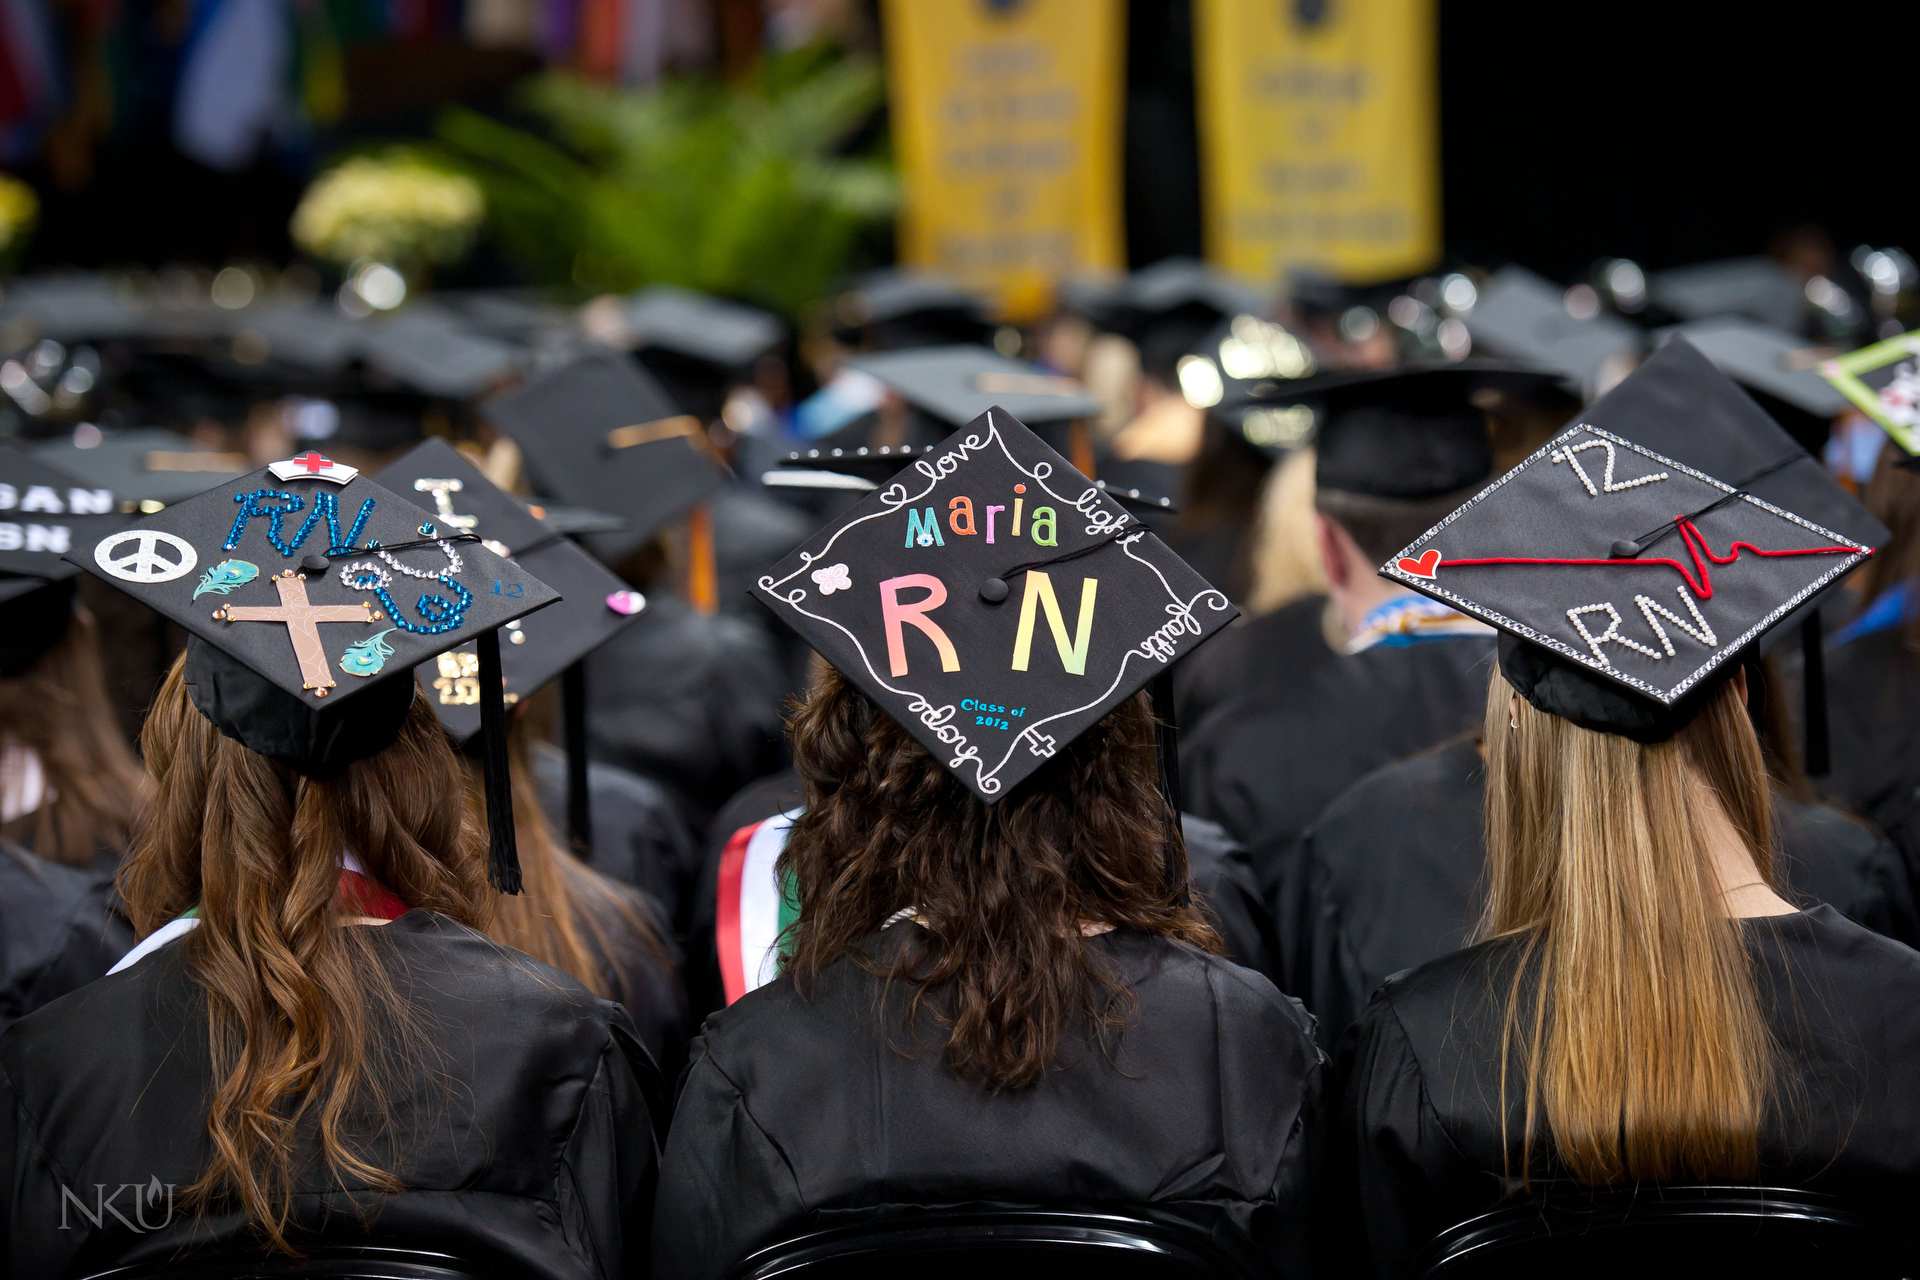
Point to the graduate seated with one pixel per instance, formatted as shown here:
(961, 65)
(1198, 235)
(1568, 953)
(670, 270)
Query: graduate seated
(314, 1044)
(1646, 1007)
(995, 991)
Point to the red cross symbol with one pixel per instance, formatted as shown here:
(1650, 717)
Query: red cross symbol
(313, 461)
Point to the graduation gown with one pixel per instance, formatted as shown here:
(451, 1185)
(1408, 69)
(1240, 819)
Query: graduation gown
(1422, 1121)
(639, 837)
(1395, 876)
(528, 1149)
(801, 1114)
(642, 978)
(59, 930)
(1268, 654)
(1265, 767)
(1873, 717)
(689, 700)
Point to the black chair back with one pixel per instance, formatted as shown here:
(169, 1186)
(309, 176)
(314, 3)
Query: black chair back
(1003, 1244)
(338, 1262)
(1651, 1233)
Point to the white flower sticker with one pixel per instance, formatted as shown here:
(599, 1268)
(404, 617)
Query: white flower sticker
(832, 578)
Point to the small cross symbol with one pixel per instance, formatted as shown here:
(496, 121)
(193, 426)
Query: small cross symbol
(313, 461)
(302, 619)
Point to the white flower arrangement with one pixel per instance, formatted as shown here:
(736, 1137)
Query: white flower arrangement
(395, 209)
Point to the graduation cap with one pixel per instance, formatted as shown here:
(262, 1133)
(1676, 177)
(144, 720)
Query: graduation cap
(44, 513)
(955, 385)
(893, 309)
(1884, 381)
(1777, 368)
(994, 602)
(432, 350)
(594, 605)
(146, 468)
(311, 593)
(599, 432)
(1240, 369)
(1759, 289)
(1524, 317)
(727, 335)
(1623, 579)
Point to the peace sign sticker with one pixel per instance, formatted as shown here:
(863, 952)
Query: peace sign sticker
(144, 563)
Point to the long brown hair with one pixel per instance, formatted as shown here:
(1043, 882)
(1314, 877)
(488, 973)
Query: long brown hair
(562, 915)
(1642, 1044)
(1002, 891)
(58, 709)
(305, 1024)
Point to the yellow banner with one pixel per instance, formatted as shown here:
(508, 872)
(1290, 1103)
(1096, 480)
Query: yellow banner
(1319, 132)
(1006, 121)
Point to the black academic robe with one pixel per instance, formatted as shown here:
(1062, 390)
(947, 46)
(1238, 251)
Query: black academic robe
(1264, 767)
(1395, 876)
(688, 700)
(1218, 867)
(526, 1149)
(59, 930)
(1873, 716)
(642, 975)
(639, 837)
(1422, 1122)
(1272, 653)
(799, 1114)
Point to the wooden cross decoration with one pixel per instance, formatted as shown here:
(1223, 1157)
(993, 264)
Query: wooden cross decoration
(302, 620)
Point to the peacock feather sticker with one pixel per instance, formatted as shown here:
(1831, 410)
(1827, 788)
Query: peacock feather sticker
(225, 576)
(368, 656)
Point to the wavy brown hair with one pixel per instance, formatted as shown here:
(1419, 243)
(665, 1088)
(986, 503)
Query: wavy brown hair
(567, 914)
(1643, 1048)
(305, 1025)
(1002, 891)
(58, 709)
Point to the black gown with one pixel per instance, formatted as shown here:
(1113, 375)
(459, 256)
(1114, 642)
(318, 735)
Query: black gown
(530, 1147)
(1265, 767)
(688, 700)
(1395, 872)
(1873, 717)
(1272, 653)
(797, 1115)
(639, 837)
(59, 930)
(1218, 867)
(1422, 1119)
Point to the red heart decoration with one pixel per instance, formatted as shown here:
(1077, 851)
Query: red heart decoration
(1425, 566)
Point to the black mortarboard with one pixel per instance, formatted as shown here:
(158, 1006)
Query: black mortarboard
(1884, 381)
(993, 601)
(1524, 317)
(893, 309)
(594, 604)
(1777, 368)
(599, 432)
(432, 350)
(45, 513)
(1242, 367)
(1624, 579)
(1758, 288)
(955, 385)
(311, 593)
(143, 466)
(728, 335)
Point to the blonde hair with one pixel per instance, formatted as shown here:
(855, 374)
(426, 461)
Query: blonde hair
(1286, 554)
(1634, 1006)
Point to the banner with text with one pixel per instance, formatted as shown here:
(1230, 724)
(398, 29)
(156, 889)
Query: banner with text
(1006, 119)
(1319, 135)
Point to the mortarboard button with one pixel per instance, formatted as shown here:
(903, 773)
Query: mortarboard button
(316, 563)
(993, 590)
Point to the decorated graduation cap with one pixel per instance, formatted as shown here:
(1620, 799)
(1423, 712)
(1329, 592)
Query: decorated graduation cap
(44, 513)
(311, 593)
(594, 605)
(1883, 380)
(993, 601)
(599, 432)
(1626, 582)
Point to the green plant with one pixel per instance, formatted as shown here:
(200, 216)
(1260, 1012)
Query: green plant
(735, 190)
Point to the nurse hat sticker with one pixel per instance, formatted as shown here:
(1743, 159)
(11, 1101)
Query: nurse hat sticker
(993, 601)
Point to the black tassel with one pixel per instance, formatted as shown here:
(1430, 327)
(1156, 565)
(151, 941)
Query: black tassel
(503, 854)
(1167, 738)
(573, 707)
(1813, 684)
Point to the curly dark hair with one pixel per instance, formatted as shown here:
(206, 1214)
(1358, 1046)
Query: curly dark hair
(1001, 891)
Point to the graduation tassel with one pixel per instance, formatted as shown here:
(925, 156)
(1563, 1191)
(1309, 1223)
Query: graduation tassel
(703, 587)
(1167, 739)
(503, 854)
(573, 710)
(1813, 686)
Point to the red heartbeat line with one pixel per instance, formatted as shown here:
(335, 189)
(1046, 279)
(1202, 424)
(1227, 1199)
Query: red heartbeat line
(1696, 548)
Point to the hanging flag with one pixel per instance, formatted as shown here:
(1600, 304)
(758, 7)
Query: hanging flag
(1319, 136)
(1007, 122)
